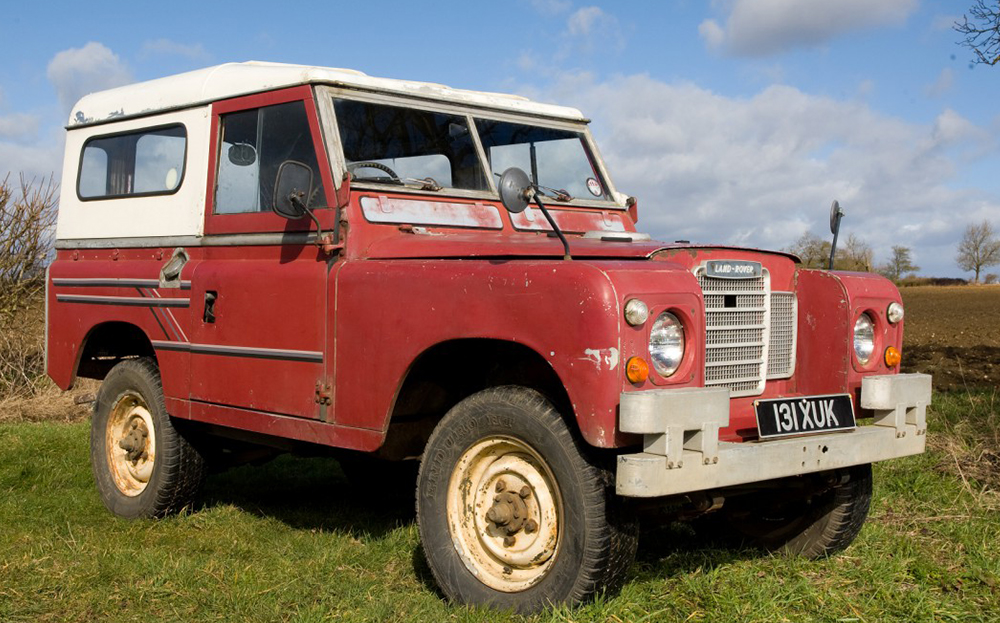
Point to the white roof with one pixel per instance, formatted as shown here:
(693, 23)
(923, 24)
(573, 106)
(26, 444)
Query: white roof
(232, 79)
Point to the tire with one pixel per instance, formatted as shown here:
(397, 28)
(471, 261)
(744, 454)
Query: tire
(511, 511)
(813, 525)
(143, 467)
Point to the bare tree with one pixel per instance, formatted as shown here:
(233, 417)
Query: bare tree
(854, 254)
(26, 217)
(979, 248)
(981, 31)
(899, 264)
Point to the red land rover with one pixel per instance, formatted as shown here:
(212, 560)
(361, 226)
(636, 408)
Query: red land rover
(261, 255)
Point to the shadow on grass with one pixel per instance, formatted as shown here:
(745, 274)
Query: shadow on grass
(314, 494)
(311, 494)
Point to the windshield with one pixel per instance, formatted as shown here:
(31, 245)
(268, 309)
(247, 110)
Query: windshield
(557, 159)
(432, 151)
(404, 146)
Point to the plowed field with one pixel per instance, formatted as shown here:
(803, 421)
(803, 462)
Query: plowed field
(953, 332)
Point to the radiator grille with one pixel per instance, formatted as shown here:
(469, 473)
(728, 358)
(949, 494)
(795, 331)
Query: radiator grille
(781, 346)
(750, 333)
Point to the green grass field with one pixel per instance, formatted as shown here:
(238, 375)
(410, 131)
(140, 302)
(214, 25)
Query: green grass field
(292, 541)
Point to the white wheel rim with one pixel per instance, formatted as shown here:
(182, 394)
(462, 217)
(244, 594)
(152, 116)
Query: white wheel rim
(512, 556)
(130, 442)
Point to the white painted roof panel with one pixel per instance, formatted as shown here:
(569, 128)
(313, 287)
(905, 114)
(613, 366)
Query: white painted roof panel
(232, 79)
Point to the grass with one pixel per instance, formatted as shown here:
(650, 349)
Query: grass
(292, 541)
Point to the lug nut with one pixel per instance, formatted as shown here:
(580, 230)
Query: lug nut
(501, 485)
(530, 526)
(525, 491)
(508, 541)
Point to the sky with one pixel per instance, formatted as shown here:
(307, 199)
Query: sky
(731, 121)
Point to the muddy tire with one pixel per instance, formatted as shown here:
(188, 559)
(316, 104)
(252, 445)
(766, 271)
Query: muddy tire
(810, 525)
(142, 466)
(512, 512)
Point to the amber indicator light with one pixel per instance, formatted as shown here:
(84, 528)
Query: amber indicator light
(637, 370)
(892, 357)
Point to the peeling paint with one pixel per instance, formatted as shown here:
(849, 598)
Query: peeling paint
(601, 357)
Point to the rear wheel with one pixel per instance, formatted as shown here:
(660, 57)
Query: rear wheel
(511, 510)
(142, 466)
(822, 520)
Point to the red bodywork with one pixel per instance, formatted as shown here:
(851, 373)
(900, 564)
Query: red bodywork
(320, 344)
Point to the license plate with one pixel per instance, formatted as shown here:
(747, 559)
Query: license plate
(782, 417)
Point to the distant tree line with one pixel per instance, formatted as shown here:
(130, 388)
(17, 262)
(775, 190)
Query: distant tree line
(978, 249)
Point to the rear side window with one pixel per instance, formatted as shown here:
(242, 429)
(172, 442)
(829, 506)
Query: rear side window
(147, 162)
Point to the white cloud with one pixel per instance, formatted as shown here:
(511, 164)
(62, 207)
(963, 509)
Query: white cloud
(78, 71)
(763, 170)
(590, 29)
(18, 125)
(763, 27)
(942, 84)
(166, 47)
(35, 161)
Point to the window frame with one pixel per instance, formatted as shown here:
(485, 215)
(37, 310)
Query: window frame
(143, 130)
(267, 221)
(325, 95)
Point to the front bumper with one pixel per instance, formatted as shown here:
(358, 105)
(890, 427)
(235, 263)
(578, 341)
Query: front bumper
(682, 452)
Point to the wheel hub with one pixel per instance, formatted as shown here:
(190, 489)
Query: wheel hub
(504, 514)
(509, 513)
(130, 442)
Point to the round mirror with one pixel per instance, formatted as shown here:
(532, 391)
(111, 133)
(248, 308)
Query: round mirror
(242, 154)
(513, 184)
(835, 214)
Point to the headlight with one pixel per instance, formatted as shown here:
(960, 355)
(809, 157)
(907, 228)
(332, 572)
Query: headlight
(636, 312)
(864, 338)
(666, 344)
(894, 313)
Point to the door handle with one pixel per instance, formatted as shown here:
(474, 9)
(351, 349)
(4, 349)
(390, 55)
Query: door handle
(209, 314)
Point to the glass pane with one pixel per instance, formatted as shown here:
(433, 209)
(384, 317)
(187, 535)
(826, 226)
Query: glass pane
(553, 158)
(145, 162)
(254, 145)
(159, 160)
(396, 145)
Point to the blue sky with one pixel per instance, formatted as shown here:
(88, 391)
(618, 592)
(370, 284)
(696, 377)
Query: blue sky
(733, 121)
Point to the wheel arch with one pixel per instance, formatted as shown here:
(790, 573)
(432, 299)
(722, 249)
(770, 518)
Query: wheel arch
(108, 343)
(450, 371)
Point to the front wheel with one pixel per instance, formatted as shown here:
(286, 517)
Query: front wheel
(511, 510)
(818, 521)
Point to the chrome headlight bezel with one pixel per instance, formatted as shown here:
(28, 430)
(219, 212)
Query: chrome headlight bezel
(864, 338)
(666, 344)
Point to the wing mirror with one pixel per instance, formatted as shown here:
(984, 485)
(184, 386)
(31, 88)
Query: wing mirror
(292, 190)
(516, 190)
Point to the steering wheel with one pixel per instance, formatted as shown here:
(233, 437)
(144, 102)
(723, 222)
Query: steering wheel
(374, 165)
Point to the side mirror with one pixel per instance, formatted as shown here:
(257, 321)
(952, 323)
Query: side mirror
(515, 190)
(292, 189)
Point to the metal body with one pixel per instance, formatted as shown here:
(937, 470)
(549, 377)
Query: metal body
(267, 329)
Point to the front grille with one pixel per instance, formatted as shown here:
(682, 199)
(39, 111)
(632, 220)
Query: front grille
(781, 346)
(750, 333)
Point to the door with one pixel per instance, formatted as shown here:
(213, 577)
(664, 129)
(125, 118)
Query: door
(259, 287)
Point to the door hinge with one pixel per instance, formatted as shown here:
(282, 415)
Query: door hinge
(324, 393)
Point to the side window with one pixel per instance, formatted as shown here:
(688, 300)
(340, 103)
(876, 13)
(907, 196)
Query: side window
(396, 145)
(254, 145)
(147, 162)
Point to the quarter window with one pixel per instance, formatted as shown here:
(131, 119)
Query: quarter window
(254, 145)
(148, 162)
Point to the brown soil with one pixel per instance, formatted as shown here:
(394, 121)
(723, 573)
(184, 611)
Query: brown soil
(953, 333)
